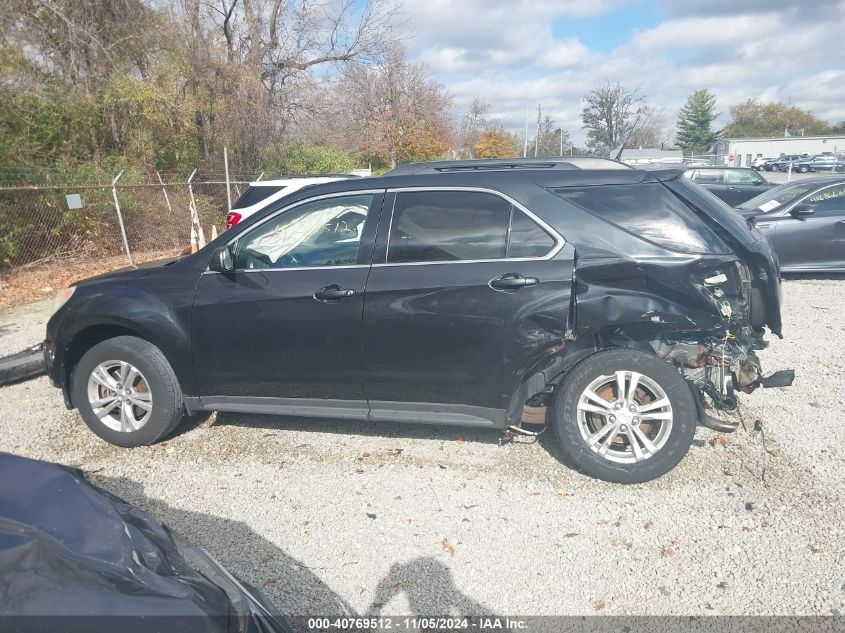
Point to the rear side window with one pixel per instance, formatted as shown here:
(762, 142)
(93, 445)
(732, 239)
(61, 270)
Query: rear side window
(649, 211)
(741, 177)
(254, 195)
(708, 176)
(440, 226)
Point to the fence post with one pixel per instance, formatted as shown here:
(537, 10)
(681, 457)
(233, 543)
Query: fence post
(228, 186)
(164, 190)
(195, 216)
(120, 217)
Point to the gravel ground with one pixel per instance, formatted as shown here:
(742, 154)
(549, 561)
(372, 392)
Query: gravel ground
(324, 515)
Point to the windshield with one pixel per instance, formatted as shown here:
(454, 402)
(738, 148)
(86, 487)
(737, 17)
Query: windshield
(777, 197)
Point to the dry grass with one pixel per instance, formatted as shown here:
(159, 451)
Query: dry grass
(25, 285)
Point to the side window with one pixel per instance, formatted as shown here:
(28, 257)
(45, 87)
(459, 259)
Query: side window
(438, 226)
(709, 176)
(320, 233)
(830, 201)
(527, 239)
(741, 177)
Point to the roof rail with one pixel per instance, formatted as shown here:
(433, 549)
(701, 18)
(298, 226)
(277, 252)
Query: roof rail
(318, 175)
(504, 164)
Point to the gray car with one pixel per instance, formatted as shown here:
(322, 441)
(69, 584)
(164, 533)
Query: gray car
(734, 185)
(805, 222)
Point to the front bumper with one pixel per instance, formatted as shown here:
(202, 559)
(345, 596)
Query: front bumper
(24, 365)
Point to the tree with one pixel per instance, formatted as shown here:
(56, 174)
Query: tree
(611, 115)
(497, 142)
(752, 118)
(695, 122)
(473, 124)
(649, 130)
(548, 139)
(393, 111)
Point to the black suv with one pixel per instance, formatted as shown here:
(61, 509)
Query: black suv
(626, 302)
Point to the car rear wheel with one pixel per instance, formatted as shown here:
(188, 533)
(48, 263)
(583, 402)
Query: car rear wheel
(126, 392)
(624, 416)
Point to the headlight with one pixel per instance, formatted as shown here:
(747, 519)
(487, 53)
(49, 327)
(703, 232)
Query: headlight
(60, 299)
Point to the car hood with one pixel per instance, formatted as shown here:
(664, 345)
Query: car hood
(132, 272)
(68, 548)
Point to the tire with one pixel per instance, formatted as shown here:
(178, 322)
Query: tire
(575, 428)
(152, 405)
(803, 170)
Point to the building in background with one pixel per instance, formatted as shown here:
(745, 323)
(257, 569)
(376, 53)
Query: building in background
(741, 152)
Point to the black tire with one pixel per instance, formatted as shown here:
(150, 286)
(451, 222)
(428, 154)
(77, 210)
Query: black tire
(565, 421)
(167, 403)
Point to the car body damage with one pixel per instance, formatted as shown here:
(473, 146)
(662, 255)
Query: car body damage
(703, 312)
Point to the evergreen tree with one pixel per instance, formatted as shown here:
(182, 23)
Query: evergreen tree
(695, 120)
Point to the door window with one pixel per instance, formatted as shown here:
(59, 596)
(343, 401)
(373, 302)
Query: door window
(320, 233)
(709, 176)
(741, 177)
(439, 226)
(830, 201)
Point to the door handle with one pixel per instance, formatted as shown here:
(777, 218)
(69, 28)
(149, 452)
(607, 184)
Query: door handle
(333, 294)
(733, 188)
(512, 281)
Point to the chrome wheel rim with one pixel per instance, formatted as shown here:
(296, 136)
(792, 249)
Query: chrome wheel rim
(120, 396)
(625, 417)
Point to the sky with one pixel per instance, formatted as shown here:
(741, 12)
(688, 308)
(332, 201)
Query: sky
(518, 54)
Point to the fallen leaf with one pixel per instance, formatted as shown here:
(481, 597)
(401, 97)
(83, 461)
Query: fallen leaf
(359, 471)
(394, 452)
(363, 456)
(603, 521)
(666, 552)
(675, 541)
(719, 440)
(745, 528)
(447, 547)
(460, 440)
(722, 526)
(648, 525)
(598, 605)
(570, 535)
(815, 547)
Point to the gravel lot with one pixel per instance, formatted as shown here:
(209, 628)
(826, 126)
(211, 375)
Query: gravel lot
(324, 515)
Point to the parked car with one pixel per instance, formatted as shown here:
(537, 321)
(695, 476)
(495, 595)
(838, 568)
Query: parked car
(261, 193)
(778, 163)
(444, 293)
(805, 222)
(734, 185)
(74, 557)
(835, 166)
(760, 162)
(808, 164)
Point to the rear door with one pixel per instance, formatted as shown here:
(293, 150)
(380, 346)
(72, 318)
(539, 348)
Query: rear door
(742, 185)
(711, 179)
(282, 333)
(467, 288)
(814, 242)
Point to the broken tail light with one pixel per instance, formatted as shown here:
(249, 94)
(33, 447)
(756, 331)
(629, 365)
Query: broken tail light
(232, 219)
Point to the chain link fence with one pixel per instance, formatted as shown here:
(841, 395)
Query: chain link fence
(47, 231)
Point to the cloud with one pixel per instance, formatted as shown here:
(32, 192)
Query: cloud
(508, 54)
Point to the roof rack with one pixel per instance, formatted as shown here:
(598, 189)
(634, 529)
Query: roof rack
(291, 176)
(505, 164)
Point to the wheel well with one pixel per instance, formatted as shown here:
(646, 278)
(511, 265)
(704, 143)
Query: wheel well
(85, 340)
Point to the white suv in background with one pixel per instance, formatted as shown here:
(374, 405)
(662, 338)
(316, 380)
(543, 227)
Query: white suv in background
(263, 192)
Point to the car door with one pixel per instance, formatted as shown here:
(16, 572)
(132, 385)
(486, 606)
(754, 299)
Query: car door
(742, 185)
(711, 179)
(813, 242)
(282, 332)
(467, 287)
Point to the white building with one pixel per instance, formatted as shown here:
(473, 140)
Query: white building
(741, 152)
(650, 156)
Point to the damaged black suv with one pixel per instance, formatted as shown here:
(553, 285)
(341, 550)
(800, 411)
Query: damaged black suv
(624, 303)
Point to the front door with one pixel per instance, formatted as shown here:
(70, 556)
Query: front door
(814, 242)
(467, 290)
(282, 333)
(742, 185)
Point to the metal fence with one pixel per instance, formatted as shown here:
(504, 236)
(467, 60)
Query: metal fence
(42, 223)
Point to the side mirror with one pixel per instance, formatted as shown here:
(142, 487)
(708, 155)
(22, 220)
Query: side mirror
(222, 261)
(802, 210)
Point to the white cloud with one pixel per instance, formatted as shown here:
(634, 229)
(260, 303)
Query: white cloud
(506, 53)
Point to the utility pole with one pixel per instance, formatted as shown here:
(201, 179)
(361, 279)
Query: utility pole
(561, 142)
(525, 143)
(537, 138)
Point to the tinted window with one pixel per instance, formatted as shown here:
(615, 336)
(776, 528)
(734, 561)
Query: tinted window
(527, 239)
(650, 211)
(436, 226)
(708, 176)
(830, 201)
(741, 177)
(774, 198)
(254, 195)
(321, 233)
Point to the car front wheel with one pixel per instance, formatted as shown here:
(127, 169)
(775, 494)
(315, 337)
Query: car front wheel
(624, 415)
(126, 392)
